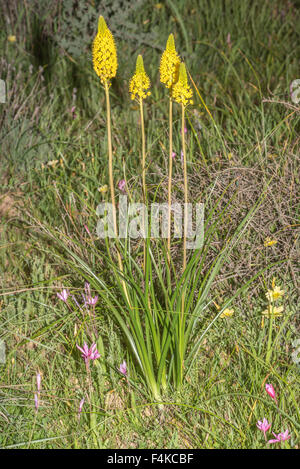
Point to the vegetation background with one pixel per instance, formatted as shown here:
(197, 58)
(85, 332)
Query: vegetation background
(243, 57)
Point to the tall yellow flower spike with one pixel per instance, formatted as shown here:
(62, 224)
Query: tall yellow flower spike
(139, 83)
(169, 67)
(104, 53)
(169, 64)
(181, 91)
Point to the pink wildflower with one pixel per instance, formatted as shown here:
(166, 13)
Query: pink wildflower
(92, 300)
(80, 407)
(173, 155)
(37, 394)
(87, 230)
(280, 437)
(63, 295)
(38, 381)
(89, 353)
(122, 185)
(271, 391)
(263, 426)
(123, 368)
(89, 299)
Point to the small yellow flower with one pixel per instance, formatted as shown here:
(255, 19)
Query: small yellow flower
(181, 91)
(11, 38)
(104, 53)
(139, 83)
(269, 242)
(227, 313)
(169, 64)
(103, 189)
(275, 294)
(274, 311)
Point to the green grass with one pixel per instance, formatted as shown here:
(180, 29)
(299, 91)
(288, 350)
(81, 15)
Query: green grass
(241, 144)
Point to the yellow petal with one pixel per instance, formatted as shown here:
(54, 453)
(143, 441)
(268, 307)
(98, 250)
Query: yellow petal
(269, 242)
(227, 313)
(274, 311)
(103, 189)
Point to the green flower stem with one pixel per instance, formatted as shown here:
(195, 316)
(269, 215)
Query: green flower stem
(269, 344)
(170, 179)
(111, 183)
(185, 184)
(143, 173)
(181, 322)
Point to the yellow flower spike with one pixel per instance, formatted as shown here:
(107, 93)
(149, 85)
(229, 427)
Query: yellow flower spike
(169, 67)
(105, 64)
(139, 83)
(169, 64)
(181, 91)
(138, 87)
(104, 53)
